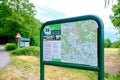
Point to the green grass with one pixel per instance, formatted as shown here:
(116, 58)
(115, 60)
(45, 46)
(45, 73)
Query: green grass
(21, 68)
(114, 77)
(24, 67)
(27, 67)
(61, 73)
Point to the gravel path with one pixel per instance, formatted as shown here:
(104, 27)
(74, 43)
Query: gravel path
(4, 57)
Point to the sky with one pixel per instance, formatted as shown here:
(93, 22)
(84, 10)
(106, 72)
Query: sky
(58, 9)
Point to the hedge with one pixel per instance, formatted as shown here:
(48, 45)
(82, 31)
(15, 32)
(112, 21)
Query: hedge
(31, 51)
(10, 46)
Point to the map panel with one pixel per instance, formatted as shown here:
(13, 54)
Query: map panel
(79, 42)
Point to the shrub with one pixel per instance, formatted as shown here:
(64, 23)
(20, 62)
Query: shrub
(10, 46)
(31, 50)
(115, 44)
(107, 43)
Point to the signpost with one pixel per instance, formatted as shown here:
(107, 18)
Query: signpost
(73, 42)
(17, 36)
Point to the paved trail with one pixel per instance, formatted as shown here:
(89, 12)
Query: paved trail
(4, 57)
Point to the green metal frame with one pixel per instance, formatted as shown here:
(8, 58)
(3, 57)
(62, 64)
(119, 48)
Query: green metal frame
(99, 68)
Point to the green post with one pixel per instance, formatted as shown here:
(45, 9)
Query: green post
(41, 55)
(18, 43)
(42, 72)
(101, 53)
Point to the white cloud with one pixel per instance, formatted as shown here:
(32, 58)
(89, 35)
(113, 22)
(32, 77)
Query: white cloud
(55, 9)
(43, 14)
(72, 8)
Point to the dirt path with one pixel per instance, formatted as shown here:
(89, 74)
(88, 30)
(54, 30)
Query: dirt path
(4, 57)
(112, 61)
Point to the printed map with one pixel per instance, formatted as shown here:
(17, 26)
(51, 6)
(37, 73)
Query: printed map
(79, 42)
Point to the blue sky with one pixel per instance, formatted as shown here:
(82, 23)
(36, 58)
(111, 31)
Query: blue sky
(57, 9)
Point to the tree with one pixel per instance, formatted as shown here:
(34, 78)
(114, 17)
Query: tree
(115, 44)
(115, 18)
(20, 6)
(18, 16)
(107, 43)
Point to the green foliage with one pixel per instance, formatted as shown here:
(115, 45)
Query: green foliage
(35, 36)
(10, 46)
(32, 50)
(115, 44)
(107, 43)
(115, 18)
(17, 16)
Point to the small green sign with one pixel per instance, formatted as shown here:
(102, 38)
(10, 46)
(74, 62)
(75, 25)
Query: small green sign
(74, 42)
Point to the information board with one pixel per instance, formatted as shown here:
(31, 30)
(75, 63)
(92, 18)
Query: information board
(23, 42)
(73, 42)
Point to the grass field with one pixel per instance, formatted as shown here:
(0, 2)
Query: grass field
(27, 68)
(21, 68)
(111, 51)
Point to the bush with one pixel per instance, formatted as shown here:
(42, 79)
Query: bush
(107, 43)
(10, 46)
(115, 44)
(31, 50)
(35, 40)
